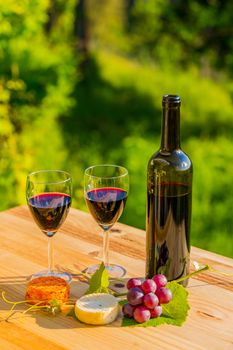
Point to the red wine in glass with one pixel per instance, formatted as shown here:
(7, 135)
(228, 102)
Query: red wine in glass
(49, 210)
(48, 194)
(106, 204)
(106, 189)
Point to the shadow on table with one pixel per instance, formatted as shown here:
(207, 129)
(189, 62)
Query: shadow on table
(67, 322)
(14, 288)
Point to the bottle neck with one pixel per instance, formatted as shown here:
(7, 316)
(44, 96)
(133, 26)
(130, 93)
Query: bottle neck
(170, 128)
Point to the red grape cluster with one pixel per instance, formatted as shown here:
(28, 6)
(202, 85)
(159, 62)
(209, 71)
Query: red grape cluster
(145, 298)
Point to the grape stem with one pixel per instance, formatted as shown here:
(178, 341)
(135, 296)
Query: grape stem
(202, 269)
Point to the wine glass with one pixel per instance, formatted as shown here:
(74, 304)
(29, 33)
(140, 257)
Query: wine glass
(48, 194)
(106, 189)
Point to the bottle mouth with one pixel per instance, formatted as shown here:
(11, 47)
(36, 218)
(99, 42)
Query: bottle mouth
(171, 100)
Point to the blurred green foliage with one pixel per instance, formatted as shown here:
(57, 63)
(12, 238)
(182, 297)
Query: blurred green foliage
(81, 83)
(35, 89)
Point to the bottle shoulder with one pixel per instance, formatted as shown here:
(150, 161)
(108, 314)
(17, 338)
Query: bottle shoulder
(177, 159)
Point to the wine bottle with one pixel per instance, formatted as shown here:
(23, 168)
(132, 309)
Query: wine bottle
(169, 200)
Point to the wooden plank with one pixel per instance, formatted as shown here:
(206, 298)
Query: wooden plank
(23, 251)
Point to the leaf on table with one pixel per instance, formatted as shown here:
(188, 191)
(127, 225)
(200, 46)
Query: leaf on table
(71, 313)
(99, 281)
(123, 302)
(174, 313)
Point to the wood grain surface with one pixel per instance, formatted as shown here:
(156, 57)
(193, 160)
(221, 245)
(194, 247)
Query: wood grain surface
(23, 251)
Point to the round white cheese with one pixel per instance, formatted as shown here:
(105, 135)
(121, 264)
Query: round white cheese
(97, 309)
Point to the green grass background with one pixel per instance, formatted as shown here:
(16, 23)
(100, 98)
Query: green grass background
(54, 117)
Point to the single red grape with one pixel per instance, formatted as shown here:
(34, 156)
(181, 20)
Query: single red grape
(160, 280)
(128, 310)
(156, 312)
(149, 286)
(150, 300)
(135, 296)
(141, 314)
(164, 294)
(133, 282)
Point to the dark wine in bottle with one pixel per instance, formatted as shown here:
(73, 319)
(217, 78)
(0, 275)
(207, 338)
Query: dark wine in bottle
(169, 200)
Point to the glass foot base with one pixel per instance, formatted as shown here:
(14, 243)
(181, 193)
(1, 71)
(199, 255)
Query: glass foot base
(114, 271)
(66, 276)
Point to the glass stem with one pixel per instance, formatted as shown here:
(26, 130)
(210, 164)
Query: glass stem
(50, 254)
(106, 247)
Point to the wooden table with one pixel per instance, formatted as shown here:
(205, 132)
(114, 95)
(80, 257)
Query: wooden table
(23, 252)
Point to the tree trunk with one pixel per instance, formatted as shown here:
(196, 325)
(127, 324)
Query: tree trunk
(81, 33)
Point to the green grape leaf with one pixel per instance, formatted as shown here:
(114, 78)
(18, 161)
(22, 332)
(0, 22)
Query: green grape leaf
(122, 302)
(99, 281)
(71, 313)
(174, 313)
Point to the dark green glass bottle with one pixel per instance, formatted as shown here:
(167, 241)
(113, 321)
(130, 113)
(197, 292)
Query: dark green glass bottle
(169, 200)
